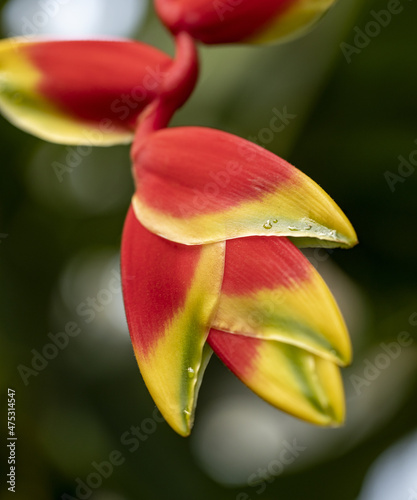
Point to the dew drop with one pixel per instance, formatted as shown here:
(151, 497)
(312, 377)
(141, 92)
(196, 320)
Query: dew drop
(275, 221)
(267, 224)
(308, 225)
(186, 412)
(191, 372)
(293, 228)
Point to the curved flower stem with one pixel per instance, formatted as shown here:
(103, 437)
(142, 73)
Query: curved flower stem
(183, 74)
(179, 82)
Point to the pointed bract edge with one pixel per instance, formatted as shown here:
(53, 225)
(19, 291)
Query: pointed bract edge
(289, 378)
(196, 185)
(296, 20)
(170, 293)
(84, 92)
(271, 291)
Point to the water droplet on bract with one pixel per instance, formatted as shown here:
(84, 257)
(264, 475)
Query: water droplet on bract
(275, 221)
(333, 233)
(308, 224)
(186, 412)
(293, 228)
(191, 372)
(267, 225)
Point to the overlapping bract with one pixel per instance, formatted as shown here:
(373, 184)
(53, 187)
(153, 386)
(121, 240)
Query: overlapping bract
(233, 21)
(208, 255)
(283, 336)
(274, 323)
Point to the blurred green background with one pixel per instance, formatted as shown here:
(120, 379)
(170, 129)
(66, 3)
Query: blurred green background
(348, 120)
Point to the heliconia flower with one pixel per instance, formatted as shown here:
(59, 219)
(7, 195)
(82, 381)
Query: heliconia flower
(90, 92)
(197, 185)
(231, 21)
(198, 271)
(256, 301)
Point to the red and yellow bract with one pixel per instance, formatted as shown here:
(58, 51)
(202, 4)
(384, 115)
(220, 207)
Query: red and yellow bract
(197, 185)
(90, 91)
(236, 21)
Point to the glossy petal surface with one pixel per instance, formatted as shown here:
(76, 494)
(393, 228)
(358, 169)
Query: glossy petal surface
(293, 380)
(78, 92)
(198, 185)
(170, 293)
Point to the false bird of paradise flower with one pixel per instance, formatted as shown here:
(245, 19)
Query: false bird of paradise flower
(209, 238)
